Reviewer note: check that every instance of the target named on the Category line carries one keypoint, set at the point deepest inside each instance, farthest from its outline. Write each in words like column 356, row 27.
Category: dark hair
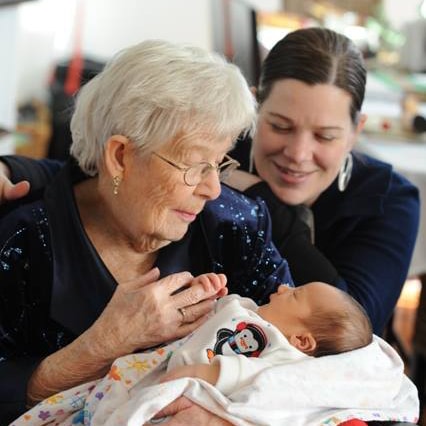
column 316, row 56
column 340, row 330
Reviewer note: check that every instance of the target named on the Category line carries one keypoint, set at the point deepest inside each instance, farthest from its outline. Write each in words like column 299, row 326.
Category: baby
column 315, row 319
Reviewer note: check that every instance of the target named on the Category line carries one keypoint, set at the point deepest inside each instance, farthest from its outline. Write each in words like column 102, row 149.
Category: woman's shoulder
column 233, row 205
column 373, row 175
column 374, row 187
column 23, row 211
column 371, row 179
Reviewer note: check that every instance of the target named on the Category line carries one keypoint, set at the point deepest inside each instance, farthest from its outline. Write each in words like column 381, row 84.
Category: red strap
column 227, row 31
column 75, row 69
column 353, row 422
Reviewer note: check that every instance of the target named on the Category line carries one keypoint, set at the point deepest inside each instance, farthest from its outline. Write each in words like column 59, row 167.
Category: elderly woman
column 97, row 266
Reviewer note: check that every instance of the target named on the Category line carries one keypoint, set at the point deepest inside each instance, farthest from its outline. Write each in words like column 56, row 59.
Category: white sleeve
column 237, row 371
column 232, row 299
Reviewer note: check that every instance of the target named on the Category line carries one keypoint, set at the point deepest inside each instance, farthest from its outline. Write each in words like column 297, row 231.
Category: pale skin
column 128, row 230
column 303, row 135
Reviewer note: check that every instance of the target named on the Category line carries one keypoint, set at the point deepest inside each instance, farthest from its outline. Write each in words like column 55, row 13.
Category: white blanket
column 367, row 383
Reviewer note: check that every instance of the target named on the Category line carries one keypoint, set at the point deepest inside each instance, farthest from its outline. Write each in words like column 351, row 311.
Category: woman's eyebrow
column 280, row 116
column 330, row 128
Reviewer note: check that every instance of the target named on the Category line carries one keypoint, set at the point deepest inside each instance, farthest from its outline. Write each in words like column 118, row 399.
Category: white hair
column 156, row 91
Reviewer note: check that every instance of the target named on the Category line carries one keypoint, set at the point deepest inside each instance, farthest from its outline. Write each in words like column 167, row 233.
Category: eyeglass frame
column 229, row 162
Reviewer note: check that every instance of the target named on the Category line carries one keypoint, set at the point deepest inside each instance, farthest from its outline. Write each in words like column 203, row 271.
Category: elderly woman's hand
column 141, row 313
column 183, row 412
column 147, row 312
column 8, row 190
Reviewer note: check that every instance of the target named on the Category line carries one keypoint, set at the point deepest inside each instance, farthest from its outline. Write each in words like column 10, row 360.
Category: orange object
column 353, row 422
column 75, row 69
column 386, row 125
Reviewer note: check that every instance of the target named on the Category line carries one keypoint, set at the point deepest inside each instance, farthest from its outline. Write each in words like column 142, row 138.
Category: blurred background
column 48, row 48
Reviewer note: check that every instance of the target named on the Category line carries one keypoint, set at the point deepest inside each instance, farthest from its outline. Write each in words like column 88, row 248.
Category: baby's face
column 289, row 306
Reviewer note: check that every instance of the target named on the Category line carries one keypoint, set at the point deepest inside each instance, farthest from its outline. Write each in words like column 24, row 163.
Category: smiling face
column 303, row 136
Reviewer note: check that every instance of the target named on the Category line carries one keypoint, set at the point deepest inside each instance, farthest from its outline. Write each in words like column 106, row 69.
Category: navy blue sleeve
column 14, row 375
column 238, row 231
column 37, row 172
column 266, row 269
column 374, row 257
column 22, row 288
column 292, row 236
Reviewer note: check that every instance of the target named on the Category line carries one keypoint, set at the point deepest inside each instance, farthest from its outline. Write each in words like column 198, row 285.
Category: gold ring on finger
column 183, row 313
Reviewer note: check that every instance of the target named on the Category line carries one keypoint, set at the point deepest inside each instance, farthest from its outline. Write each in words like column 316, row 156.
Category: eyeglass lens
column 196, row 173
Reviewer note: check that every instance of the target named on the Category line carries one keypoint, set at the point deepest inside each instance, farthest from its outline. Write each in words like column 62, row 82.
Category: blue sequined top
column 53, row 284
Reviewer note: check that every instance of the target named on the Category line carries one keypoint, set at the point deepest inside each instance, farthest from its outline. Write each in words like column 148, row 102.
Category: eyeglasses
column 193, row 175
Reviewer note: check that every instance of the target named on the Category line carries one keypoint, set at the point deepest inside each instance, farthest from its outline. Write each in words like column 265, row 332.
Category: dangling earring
column 116, row 180
column 251, row 161
column 345, row 173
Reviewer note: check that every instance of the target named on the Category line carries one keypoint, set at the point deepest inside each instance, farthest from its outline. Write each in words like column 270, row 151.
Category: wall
column 400, row 12
column 109, row 28
column 8, row 58
column 46, row 32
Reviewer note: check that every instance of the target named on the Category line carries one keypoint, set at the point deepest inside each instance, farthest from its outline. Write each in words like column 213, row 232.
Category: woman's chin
column 288, row 196
column 178, row 233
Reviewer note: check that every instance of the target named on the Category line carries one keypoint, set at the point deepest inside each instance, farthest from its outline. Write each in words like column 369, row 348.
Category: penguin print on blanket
column 247, row 339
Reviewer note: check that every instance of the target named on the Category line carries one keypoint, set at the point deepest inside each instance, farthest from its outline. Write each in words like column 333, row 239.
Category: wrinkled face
column 156, row 202
column 303, row 135
column 289, row 306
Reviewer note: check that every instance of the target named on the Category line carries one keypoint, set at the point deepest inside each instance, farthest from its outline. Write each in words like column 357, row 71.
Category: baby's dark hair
column 340, row 330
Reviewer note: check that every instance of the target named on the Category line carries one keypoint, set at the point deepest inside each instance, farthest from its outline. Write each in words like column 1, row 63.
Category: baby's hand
column 212, row 281
column 207, row 372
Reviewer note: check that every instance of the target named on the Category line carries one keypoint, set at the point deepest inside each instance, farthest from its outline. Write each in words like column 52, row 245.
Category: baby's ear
column 305, row 342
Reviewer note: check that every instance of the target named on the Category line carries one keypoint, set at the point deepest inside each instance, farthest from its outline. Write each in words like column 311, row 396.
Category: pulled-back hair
column 340, row 330
column 316, row 56
column 155, row 92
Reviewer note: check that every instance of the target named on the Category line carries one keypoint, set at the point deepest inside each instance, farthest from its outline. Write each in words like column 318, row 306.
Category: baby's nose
column 282, row 289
